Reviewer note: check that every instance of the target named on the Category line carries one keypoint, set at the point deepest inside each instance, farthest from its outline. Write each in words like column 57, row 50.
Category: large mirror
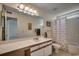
column 20, row 25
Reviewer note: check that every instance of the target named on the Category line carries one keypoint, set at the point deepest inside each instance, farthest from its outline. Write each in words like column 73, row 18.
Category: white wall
column 73, row 31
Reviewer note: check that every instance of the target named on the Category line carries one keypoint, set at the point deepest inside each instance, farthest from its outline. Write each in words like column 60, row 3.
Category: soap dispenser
column 45, row 34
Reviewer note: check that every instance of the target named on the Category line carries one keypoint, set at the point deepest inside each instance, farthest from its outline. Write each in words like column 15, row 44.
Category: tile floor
column 61, row 53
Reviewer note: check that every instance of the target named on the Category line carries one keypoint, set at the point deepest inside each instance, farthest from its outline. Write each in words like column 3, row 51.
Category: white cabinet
column 42, row 50
column 38, row 53
column 48, row 50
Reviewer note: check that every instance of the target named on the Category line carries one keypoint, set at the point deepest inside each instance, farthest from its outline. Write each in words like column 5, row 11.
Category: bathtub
column 73, row 49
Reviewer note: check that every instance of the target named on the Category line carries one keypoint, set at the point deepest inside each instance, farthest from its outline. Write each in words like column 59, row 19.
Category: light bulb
column 21, row 6
column 26, row 8
column 31, row 10
column 35, row 11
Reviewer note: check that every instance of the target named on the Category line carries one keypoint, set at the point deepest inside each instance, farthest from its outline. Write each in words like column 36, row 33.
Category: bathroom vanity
column 16, row 27
column 24, row 47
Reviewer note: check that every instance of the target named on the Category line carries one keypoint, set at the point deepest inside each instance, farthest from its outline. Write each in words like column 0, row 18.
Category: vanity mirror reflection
column 23, row 25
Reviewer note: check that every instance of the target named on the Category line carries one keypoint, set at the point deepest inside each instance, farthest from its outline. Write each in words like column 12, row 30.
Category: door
column 11, row 28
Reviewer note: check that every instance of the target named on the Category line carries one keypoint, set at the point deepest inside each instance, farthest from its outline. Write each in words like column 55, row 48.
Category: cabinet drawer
column 38, row 53
column 34, row 48
column 49, row 42
column 44, row 44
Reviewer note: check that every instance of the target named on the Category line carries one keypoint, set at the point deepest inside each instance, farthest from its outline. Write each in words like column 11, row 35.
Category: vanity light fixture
column 21, row 6
column 35, row 11
column 30, row 10
column 27, row 10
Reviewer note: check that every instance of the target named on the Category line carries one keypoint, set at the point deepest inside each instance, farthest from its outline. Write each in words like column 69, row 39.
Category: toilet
column 57, row 47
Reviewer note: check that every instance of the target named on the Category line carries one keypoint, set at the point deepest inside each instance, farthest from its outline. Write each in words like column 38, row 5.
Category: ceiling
column 56, row 8
column 52, row 9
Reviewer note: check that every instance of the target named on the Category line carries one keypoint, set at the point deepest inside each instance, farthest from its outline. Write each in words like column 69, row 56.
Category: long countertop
column 11, row 45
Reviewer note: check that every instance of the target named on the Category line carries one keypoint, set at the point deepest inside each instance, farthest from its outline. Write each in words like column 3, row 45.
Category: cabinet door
column 38, row 53
column 48, row 50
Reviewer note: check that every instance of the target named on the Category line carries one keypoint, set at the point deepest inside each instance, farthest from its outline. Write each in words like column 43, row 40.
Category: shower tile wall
column 66, row 31
column 59, row 32
column 73, row 31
